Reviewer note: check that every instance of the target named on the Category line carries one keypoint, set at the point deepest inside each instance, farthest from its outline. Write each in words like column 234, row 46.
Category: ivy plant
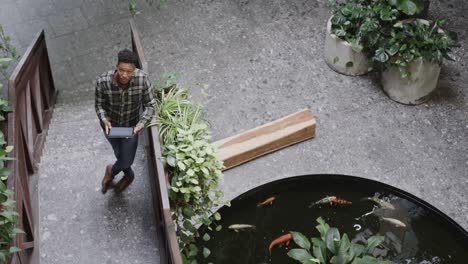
column 333, row 248
column 194, row 169
column 413, row 39
column 8, row 215
column 360, row 22
column 8, row 220
column 8, row 53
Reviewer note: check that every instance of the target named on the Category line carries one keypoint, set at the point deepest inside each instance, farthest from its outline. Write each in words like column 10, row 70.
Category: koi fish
column 284, row 239
column 382, row 203
column 241, row 227
column 366, row 214
column 325, row 200
column 394, row 221
column 267, row 201
column 330, row 200
column 340, row 201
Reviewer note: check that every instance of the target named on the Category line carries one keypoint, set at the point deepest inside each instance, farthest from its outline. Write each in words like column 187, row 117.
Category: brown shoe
column 124, row 183
column 107, row 179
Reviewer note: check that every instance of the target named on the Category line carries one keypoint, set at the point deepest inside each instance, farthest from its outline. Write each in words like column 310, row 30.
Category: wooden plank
column 169, row 249
column 15, row 259
column 46, row 83
column 267, row 138
column 171, row 239
column 27, row 59
column 137, row 46
column 27, row 245
column 50, row 91
column 36, row 101
column 30, row 85
column 31, row 130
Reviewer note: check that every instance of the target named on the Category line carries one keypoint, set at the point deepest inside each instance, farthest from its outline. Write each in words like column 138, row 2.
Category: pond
column 415, row 232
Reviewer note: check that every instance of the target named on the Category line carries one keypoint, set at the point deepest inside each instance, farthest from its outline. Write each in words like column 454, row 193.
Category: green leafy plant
column 360, row 22
column 7, row 223
column 8, row 214
column 175, row 109
column 333, row 248
column 133, row 8
column 413, row 39
column 194, row 169
column 8, row 53
column 167, row 82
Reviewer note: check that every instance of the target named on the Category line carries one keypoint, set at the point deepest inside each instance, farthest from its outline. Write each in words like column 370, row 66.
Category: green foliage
column 175, row 109
column 133, row 6
column 8, row 54
column 7, row 204
column 193, row 166
column 7, row 223
column 167, row 83
column 412, row 39
column 333, row 248
column 361, row 22
column 389, row 33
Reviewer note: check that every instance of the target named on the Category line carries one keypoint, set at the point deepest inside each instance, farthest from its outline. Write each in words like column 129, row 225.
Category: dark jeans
column 124, row 150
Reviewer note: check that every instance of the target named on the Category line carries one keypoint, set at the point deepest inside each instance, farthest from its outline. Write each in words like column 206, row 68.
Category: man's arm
column 148, row 104
column 98, row 101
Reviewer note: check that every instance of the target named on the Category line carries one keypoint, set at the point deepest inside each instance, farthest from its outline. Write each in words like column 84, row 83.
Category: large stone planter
column 413, row 90
column 341, row 57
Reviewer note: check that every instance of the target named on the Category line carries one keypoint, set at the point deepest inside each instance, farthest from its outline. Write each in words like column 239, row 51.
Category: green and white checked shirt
column 122, row 107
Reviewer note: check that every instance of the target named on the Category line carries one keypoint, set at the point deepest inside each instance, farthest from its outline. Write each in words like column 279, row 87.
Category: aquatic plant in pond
column 330, row 247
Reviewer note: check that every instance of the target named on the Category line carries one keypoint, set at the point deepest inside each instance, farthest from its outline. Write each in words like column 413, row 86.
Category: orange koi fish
column 339, row 201
column 267, row 201
column 284, row 239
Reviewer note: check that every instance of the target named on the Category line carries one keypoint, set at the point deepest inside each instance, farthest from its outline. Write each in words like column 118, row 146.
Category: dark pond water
column 430, row 237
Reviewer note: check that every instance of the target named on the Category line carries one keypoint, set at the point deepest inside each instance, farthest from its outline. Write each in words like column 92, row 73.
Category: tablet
column 120, row 132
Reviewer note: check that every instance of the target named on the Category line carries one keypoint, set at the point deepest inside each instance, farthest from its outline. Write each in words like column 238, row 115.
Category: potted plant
column 343, row 51
column 410, row 56
column 355, row 28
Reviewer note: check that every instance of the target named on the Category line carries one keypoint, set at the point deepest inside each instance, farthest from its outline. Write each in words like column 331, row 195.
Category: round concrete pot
column 341, row 57
column 413, row 90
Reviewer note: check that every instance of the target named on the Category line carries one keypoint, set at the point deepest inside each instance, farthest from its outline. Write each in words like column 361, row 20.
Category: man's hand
column 137, row 129
column 107, row 126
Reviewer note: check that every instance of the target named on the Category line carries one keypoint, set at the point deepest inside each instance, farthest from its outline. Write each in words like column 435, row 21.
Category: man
column 119, row 95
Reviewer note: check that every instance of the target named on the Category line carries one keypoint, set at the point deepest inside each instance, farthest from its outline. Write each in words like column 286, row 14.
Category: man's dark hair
column 127, row 56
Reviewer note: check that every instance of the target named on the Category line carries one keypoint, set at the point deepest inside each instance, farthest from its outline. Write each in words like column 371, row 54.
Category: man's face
column 125, row 72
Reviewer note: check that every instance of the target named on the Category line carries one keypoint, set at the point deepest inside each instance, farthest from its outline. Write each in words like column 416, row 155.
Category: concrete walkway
column 77, row 223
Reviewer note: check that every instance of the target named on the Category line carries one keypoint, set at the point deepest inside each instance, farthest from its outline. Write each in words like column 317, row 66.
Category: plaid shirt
column 122, row 107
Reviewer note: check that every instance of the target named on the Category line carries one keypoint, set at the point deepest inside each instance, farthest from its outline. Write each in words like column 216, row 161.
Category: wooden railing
column 169, row 247
column 32, row 94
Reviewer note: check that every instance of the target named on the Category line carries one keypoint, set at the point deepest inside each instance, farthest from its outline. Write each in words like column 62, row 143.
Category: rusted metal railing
column 32, row 95
column 169, row 247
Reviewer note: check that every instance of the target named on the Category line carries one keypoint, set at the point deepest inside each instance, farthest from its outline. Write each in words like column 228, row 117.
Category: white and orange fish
column 330, row 200
column 382, row 203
